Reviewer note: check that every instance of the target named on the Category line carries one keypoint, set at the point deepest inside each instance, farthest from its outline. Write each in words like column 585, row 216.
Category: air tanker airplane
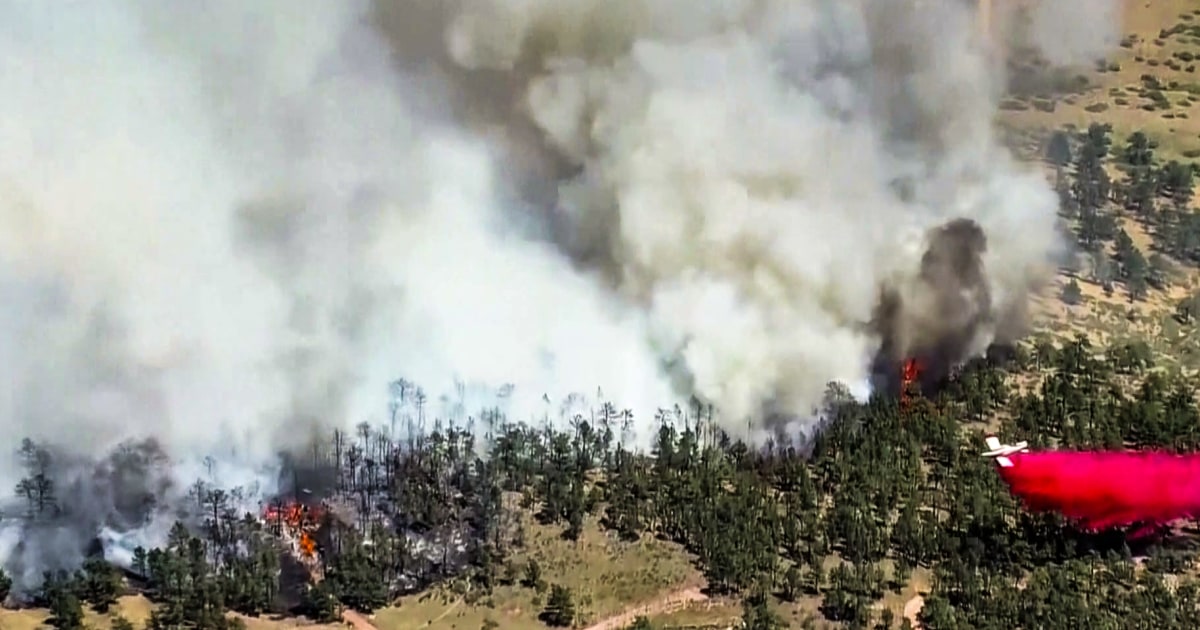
column 1141, row 491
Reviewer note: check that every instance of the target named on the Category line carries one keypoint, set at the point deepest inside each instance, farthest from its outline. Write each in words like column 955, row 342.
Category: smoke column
column 1100, row 490
column 1095, row 30
column 224, row 228
column 756, row 175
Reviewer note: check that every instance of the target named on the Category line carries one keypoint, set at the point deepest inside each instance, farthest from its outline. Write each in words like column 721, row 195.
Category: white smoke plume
column 1075, row 32
column 222, row 227
column 756, row 172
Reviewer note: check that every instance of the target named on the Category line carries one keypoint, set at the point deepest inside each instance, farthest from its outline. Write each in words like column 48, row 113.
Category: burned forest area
column 884, row 490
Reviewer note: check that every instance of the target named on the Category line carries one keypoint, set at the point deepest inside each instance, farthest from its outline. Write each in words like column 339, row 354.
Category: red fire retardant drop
column 1101, row 490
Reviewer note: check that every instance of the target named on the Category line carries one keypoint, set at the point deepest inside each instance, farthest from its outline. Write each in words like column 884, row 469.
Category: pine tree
column 1071, row 293
column 757, row 614
column 99, row 584
column 320, row 604
column 533, row 575
column 1058, row 149
column 6, row 584
column 560, row 607
column 59, row 594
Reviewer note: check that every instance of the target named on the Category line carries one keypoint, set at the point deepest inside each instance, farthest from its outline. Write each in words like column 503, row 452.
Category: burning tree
column 367, row 518
column 910, row 375
column 296, row 523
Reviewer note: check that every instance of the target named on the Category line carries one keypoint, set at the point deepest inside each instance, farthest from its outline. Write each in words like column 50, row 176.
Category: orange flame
column 308, row 546
column 912, row 370
column 909, row 376
column 298, row 520
column 293, row 514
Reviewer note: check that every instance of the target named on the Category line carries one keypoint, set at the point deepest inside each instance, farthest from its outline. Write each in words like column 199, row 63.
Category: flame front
column 308, row 546
column 912, row 371
column 909, row 376
column 297, row 522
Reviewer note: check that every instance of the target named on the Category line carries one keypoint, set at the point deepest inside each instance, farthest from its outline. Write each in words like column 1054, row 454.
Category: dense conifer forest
column 882, row 490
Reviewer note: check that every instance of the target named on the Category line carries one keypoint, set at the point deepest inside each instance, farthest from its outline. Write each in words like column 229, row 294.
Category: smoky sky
column 226, row 230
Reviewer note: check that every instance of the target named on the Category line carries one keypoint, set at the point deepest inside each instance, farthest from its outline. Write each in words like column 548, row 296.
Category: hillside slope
column 1150, row 85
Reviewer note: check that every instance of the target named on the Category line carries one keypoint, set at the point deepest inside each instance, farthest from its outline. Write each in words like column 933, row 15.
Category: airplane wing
column 1002, row 451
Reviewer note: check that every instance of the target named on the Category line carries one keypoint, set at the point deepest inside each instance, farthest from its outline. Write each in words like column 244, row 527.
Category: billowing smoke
column 1070, row 32
column 947, row 314
column 753, row 175
column 223, row 228
column 67, row 505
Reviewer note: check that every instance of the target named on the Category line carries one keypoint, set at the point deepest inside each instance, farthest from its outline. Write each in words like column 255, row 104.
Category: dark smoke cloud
column 74, row 507
column 958, row 318
column 947, row 315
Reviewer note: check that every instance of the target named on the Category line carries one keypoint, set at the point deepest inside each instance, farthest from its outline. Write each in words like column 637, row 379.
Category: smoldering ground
column 225, row 229
column 67, row 508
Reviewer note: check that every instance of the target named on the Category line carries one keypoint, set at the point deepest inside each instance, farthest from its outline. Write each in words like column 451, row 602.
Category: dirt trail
column 354, row 618
column 912, row 608
column 667, row 603
column 445, row 613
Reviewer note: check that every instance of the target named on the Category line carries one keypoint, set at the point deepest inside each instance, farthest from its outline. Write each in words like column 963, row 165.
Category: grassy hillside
column 1152, row 84
column 607, row 576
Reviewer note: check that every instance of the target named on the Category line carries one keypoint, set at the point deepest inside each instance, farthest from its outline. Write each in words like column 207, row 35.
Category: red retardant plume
column 1100, row 490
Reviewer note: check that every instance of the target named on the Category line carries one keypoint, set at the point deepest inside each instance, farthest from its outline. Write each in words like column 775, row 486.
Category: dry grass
column 919, row 584
column 720, row 614
column 725, row 613
column 22, row 619
column 607, row 576
column 136, row 609
column 1119, row 89
column 1107, row 319
column 133, row 607
column 1162, row 41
